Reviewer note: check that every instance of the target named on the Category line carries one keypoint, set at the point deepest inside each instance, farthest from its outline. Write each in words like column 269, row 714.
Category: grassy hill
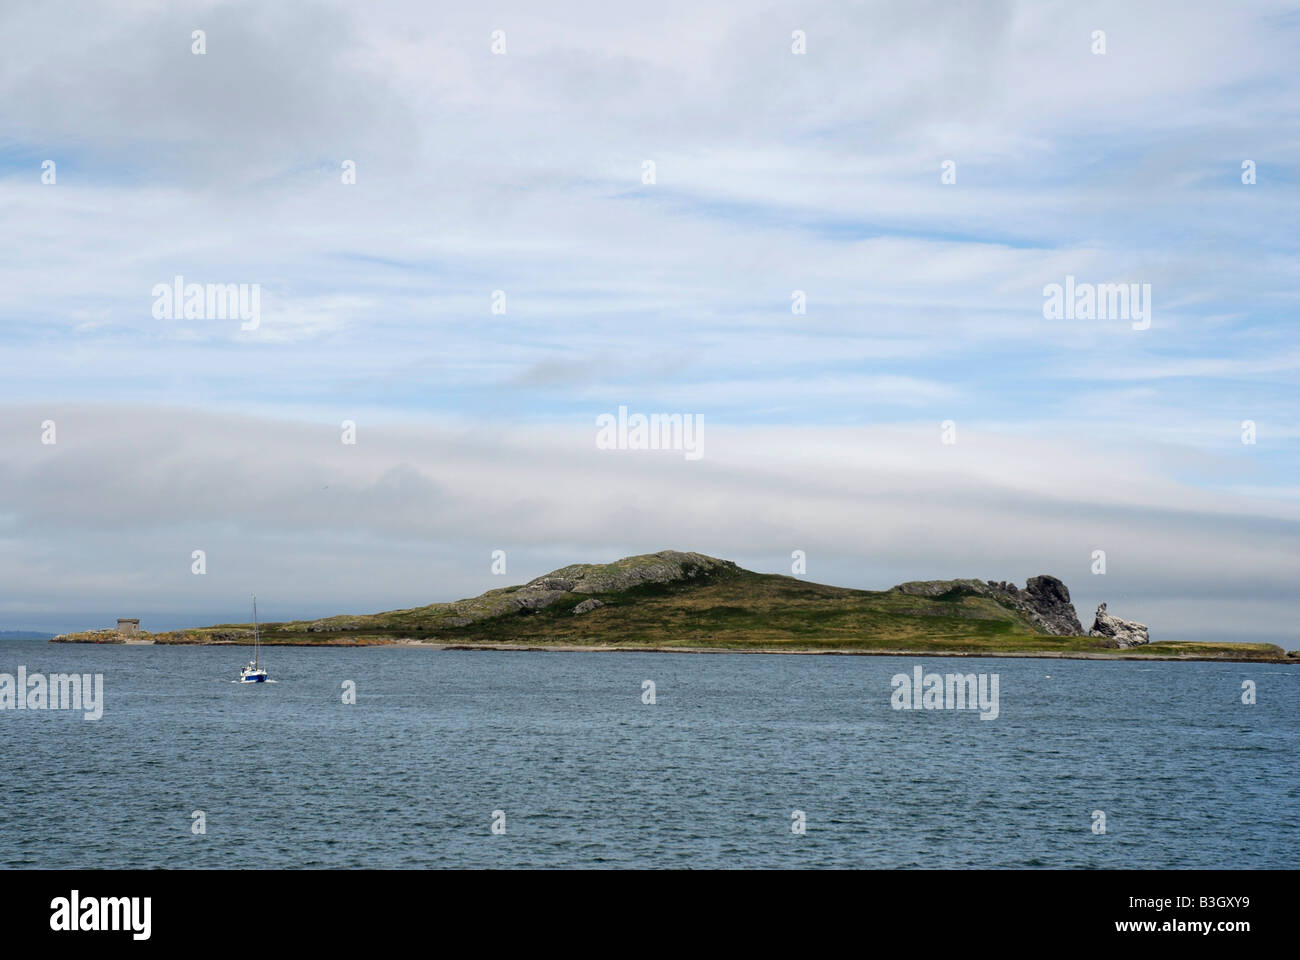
column 673, row 600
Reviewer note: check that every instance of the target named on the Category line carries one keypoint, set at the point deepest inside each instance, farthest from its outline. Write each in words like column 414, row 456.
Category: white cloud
column 108, row 517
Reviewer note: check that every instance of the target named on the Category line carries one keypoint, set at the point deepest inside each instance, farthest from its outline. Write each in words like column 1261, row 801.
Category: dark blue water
column 588, row 775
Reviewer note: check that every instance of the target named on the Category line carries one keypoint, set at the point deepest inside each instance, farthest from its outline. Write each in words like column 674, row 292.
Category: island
column 689, row 602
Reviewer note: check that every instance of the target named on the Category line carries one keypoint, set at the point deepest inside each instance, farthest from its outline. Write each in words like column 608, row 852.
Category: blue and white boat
column 253, row 673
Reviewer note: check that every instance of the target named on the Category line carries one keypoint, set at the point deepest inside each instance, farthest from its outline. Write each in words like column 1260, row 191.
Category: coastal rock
column 528, row 599
column 1124, row 633
column 1045, row 600
column 549, row 582
column 90, row 636
column 1049, row 603
column 591, row 603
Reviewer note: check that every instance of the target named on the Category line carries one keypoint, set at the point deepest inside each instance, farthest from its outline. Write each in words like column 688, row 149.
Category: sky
column 524, row 171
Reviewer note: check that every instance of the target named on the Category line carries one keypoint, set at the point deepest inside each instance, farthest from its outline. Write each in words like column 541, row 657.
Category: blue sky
column 774, row 172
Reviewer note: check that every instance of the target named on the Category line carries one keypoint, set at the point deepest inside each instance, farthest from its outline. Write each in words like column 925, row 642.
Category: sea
column 391, row 757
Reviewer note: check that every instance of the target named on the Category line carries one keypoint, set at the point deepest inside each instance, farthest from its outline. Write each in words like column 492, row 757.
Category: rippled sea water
column 589, row 776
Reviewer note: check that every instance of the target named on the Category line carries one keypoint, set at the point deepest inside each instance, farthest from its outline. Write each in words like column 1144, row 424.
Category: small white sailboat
column 253, row 673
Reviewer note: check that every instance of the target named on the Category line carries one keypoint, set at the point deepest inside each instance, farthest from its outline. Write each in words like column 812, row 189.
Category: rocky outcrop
column 1045, row 600
column 1123, row 633
column 90, row 636
column 1048, row 600
column 591, row 603
column 666, row 566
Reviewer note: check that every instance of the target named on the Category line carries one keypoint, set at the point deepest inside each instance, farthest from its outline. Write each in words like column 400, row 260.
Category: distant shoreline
column 686, row 602
column 812, row 651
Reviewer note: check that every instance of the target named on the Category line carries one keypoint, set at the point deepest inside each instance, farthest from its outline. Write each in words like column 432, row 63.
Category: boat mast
column 257, row 637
